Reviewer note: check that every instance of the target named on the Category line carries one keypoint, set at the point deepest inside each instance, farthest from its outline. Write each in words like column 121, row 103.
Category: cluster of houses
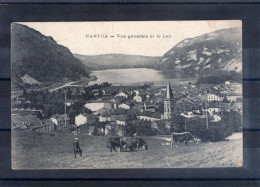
column 152, row 107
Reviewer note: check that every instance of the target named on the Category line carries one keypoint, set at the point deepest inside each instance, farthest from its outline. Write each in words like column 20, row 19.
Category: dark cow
column 132, row 143
column 142, row 143
column 182, row 137
column 113, row 142
column 76, row 148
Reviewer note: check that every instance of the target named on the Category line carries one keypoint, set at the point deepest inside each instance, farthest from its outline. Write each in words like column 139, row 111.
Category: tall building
column 168, row 102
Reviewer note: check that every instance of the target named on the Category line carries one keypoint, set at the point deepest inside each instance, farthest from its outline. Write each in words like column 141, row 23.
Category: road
column 65, row 85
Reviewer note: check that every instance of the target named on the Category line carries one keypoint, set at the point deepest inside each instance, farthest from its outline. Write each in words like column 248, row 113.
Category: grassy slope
column 34, row 151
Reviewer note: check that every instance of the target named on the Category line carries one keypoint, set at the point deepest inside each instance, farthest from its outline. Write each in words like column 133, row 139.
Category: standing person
column 76, row 147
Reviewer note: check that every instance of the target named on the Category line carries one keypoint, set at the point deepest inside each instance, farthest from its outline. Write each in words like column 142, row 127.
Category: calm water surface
column 136, row 76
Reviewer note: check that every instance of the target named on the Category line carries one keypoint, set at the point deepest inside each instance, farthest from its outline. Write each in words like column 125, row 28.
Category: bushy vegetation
column 213, row 133
column 220, row 79
column 217, row 131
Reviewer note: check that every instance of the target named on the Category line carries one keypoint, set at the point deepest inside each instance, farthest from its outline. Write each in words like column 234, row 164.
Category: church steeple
column 168, row 91
column 168, row 102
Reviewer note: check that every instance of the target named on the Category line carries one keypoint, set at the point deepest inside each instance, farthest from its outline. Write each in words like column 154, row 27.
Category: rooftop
column 60, row 116
column 156, row 115
column 117, row 111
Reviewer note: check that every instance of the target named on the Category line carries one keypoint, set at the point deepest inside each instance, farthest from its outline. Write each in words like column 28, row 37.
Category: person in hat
column 76, row 147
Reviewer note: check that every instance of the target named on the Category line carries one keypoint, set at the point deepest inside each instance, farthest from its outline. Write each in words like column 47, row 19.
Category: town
column 129, row 110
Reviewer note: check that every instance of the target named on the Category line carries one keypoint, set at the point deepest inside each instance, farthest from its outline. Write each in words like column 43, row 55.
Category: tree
column 47, row 111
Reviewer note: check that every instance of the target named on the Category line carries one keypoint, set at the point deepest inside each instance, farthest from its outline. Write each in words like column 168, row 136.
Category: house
column 119, row 99
column 61, row 121
column 188, row 114
column 95, row 92
column 197, row 112
column 138, row 99
column 137, row 92
column 69, row 102
column 121, row 122
column 149, row 106
column 45, row 126
column 122, row 94
column 215, row 118
column 227, row 82
column 147, row 96
column 24, row 121
column 105, row 117
column 106, row 93
column 99, row 112
column 82, row 119
column 124, row 105
column 114, row 104
column 158, row 99
column 138, row 107
column 233, row 97
column 118, row 114
column 213, row 108
column 149, row 116
column 98, row 105
column 214, row 97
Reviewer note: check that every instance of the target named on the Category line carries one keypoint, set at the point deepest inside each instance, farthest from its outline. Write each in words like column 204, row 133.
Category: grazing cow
column 76, row 148
column 142, row 143
column 113, row 142
column 182, row 137
column 132, row 143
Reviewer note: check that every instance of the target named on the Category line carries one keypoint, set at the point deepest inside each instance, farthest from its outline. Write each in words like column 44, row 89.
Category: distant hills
column 116, row 61
column 38, row 58
column 214, row 53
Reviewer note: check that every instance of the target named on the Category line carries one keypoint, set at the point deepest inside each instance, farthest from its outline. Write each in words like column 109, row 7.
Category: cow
column 182, row 137
column 142, row 143
column 132, row 143
column 114, row 142
column 76, row 148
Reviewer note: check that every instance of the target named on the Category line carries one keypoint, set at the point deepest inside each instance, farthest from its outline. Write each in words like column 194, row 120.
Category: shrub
column 214, row 133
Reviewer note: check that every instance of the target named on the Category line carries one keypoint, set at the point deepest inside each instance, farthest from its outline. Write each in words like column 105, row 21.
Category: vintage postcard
column 141, row 94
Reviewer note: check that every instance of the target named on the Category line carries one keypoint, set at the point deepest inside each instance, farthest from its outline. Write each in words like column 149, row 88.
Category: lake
column 136, row 76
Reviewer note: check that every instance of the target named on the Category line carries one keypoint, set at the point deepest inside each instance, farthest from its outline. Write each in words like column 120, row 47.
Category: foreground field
column 31, row 150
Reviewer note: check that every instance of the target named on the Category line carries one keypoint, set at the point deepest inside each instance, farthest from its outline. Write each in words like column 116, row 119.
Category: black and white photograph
column 126, row 94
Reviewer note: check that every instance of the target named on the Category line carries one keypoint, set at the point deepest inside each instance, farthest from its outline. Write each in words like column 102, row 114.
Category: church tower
column 168, row 102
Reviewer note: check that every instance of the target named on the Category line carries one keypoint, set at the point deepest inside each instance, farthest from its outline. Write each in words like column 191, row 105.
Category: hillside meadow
column 32, row 150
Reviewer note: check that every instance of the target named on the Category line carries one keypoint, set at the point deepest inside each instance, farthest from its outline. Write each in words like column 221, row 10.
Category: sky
column 77, row 35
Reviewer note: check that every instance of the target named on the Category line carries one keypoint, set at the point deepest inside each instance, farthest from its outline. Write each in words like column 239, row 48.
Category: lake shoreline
column 137, row 77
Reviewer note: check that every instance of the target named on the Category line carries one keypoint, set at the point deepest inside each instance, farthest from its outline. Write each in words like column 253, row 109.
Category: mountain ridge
column 41, row 58
column 207, row 54
column 116, row 61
